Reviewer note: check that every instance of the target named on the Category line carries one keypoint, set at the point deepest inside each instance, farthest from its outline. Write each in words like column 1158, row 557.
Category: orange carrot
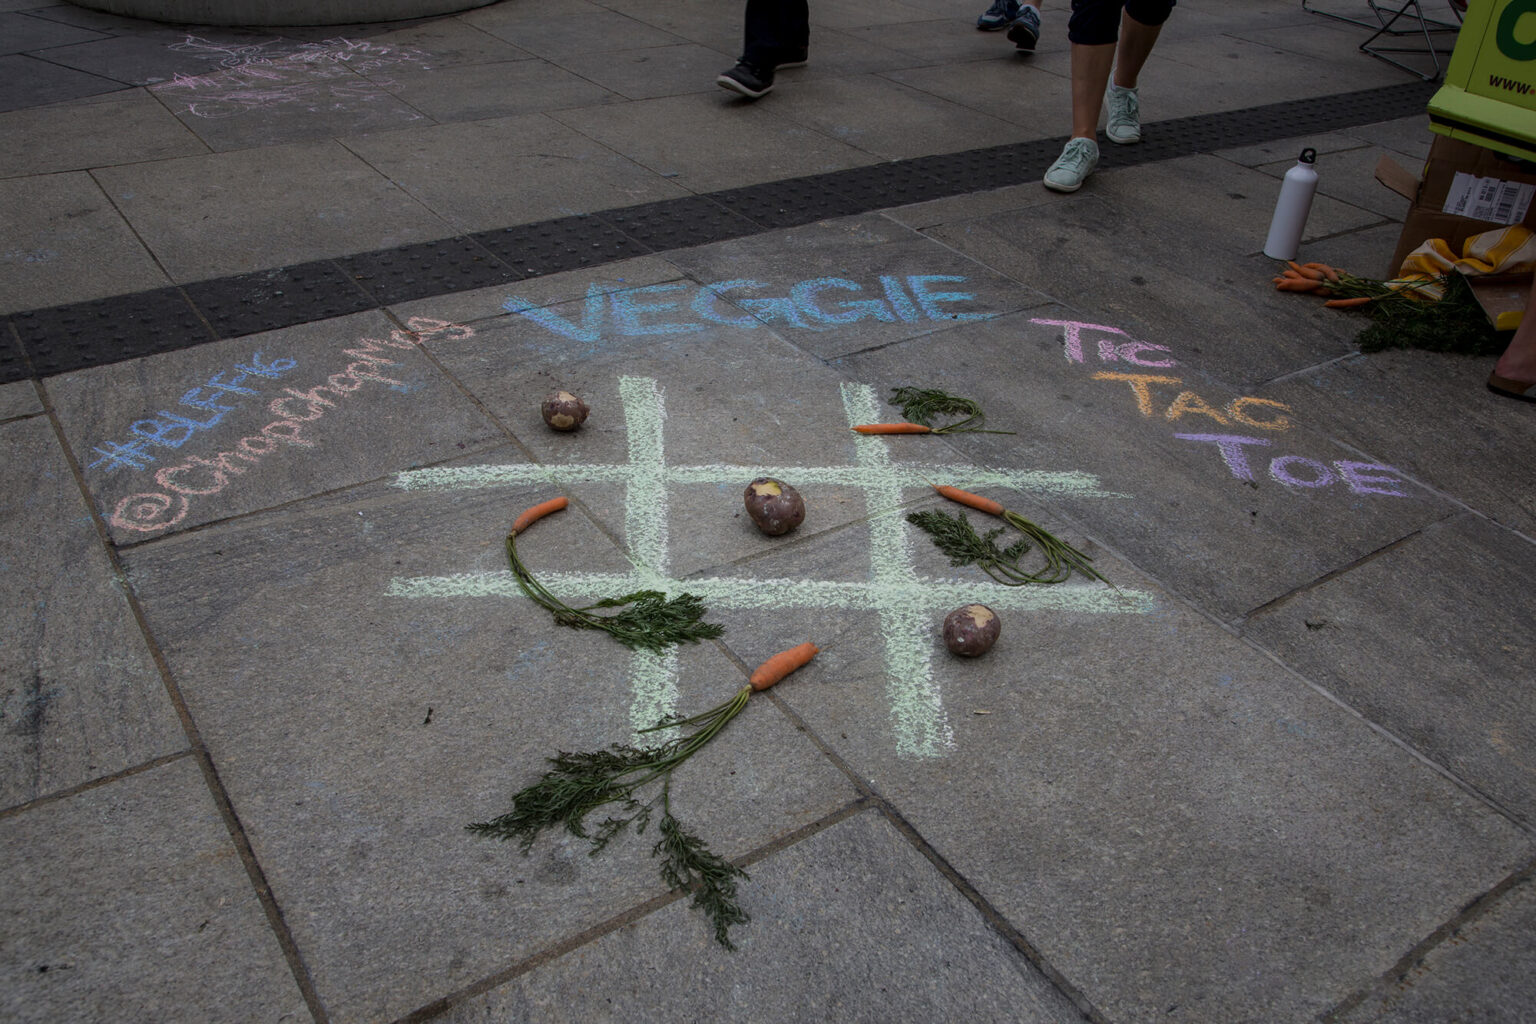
column 781, row 665
column 536, row 513
column 1292, row 284
column 892, row 428
column 975, row 501
column 1349, row 303
column 1323, row 268
column 1310, row 272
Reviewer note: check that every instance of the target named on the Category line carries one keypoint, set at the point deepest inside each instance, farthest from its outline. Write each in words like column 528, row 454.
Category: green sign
column 1489, row 96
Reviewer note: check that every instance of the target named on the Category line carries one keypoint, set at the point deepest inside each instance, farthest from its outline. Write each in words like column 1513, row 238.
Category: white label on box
column 1490, row 199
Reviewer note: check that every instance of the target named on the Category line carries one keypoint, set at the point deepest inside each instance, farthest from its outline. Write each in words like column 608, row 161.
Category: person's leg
column 1514, row 375
column 777, row 33
column 776, row 30
column 1090, row 75
column 1137, row 37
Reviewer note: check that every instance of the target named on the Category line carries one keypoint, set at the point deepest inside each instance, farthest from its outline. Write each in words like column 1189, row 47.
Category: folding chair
column 1387, row 14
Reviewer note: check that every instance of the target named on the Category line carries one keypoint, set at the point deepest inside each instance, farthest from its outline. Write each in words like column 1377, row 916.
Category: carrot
column 1309, row 272
column 975, row 501
column 536, row 513
column 1349, row 303
column 1292, row 284
column 1327, row 271
column 781, row 665
column 892, row 428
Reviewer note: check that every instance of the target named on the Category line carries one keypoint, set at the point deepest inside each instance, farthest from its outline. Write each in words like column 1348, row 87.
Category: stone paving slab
column 123, row 127
column 129, row 899
column 473, row 92
column 18, row 399
column 511, row 170
column 662, row 134
column 1349, row 176
column 65, row 243
column 20, row 32
column 1378, row 402
column 81, row 696
column 1179, row 825
column 176, row 441
column 314, row 199
column 882, row 261
column 891, row 121
column 889, row 941
column 1166, row 459
column 1479, row 974
column 481, row 304
column 654, row 71
column 26, row 81
column 1460, row 696
column 359, row 728
column 1105, row 251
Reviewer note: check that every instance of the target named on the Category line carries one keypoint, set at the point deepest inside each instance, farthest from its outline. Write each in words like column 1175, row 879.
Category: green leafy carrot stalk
column 580, row 783
column 955, row 536
column 650, row 622
column 924, row 405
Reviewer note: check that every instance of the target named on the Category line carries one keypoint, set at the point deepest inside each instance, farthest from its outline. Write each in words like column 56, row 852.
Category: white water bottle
column 1291, row 208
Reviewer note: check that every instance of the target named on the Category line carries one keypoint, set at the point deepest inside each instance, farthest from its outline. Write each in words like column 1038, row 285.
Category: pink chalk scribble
column 260, row 76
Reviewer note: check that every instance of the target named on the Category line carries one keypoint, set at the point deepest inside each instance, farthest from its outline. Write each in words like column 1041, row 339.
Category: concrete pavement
column 279, row 310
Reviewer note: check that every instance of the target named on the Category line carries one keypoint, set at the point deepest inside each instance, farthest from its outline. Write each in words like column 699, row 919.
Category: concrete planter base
column 279, row 12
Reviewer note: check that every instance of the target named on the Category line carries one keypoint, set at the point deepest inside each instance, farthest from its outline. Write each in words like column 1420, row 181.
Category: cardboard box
column 1508, row 187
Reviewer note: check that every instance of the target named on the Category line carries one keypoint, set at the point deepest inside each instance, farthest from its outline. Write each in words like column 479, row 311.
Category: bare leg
column 1090, row 76
column 1517, row 366
column 1136, row 42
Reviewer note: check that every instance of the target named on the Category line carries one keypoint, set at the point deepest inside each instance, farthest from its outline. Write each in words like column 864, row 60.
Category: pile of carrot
column 1319, row 279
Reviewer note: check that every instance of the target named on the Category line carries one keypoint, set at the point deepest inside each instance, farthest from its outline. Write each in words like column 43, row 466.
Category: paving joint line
column 217, row 792
column 1475, row 909
column 638, row 912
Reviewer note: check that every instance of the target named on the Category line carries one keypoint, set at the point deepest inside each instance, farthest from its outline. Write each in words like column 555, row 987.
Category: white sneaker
column 1123, row 122
column 1076, row 162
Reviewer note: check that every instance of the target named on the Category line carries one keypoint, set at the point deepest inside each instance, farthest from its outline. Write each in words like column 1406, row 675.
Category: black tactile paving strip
column 269, row 299
column 109, row 330
column 676, row 223
column 86, row 334
column 551, row 246
column 426, row 269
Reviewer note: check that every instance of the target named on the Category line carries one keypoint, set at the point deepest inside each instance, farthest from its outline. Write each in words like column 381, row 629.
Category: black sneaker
column 751, row 81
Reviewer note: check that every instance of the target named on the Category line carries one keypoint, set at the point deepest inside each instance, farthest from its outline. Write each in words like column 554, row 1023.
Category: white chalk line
column 907, row 475
column 917, row 595
column 917, row 707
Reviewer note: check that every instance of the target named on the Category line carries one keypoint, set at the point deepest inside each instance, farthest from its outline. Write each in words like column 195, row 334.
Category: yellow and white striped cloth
column 1510, row 250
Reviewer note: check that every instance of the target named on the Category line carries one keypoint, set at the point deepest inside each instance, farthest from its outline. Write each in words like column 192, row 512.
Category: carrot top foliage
column 923, row 405
column 649, row 620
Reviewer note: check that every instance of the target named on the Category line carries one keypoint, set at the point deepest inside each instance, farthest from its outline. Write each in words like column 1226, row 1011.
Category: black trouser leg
column 775, row 29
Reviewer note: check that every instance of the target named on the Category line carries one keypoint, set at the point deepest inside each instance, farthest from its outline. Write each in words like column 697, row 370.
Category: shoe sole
column 1506, row 388
column 731, row 85
column 1054, row 187
column 1123, row 142
column 991, row 28
column 1021, row 37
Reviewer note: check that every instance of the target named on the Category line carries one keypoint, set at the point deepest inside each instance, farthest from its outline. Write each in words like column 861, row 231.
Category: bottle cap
column 1309, row 155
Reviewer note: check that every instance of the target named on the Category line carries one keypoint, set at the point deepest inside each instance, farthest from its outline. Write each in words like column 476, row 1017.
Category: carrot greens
column 923, row 405
column 579, row 784
column 650, row 621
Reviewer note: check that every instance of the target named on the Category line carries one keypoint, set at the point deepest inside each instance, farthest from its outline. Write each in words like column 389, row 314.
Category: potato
column 564, row 411
column 972, row 630
column 775, row 506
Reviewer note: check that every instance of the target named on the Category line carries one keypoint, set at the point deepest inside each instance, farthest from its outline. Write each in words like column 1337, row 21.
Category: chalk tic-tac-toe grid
column 906, row 604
